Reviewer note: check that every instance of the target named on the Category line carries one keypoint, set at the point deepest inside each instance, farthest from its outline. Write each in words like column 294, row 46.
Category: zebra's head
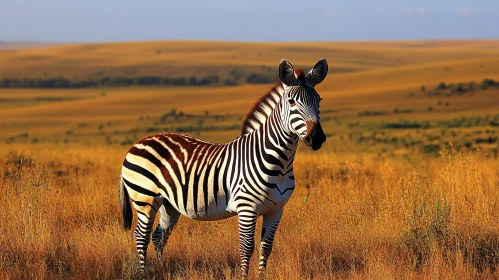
column 300, row 102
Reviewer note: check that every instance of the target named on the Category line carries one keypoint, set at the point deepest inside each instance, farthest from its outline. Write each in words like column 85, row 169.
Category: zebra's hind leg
column 168, row 219
column 146, row 213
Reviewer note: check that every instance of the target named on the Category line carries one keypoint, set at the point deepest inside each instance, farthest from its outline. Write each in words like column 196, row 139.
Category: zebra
column 250, row 176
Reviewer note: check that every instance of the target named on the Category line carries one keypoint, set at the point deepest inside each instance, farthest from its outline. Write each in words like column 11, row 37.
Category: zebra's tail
column 126, row 208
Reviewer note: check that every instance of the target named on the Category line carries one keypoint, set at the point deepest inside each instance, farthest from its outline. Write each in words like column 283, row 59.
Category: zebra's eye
column 291, row 101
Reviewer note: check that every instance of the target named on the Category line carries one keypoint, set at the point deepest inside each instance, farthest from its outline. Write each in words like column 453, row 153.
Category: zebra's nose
column 315, row 136
column 310, row 133
column 310, row 129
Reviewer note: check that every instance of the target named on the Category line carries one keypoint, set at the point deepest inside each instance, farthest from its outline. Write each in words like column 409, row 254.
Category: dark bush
column 209, row 80
column 489, row 140
column 442, row 86
column 62, row 82
column 486, row 83
column 431, row 148
column 372, row 113
column 5, row 83
column 460, row 89
column 489, row 82
column 179, row 81
column 257, row 78
column 402, row 125
column 191, row 80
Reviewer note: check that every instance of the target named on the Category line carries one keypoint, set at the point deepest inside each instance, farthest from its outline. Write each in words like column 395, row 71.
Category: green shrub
column 427, row 223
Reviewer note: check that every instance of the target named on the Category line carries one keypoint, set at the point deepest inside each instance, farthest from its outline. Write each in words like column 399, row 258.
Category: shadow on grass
column 184, row 267
column 482, row 250
column 319, row 260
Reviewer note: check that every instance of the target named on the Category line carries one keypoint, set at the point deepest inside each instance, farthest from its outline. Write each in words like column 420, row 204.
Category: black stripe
column 206, row 176
column 272, row 160
column 245, row 205
column 144, row 172
column 194, row 189
column 147, row 155
column 140, row 189
column 231, row 165
column 288, row 189
column 142, row 213
column 240, row 197
column 256, row 176
column 300, row 126
column 275, row 137
column 256, row 171
column 142, row 203
column 252, row 192
column 195, row 181
column 157, row 145
column 216, row 174
column 205, row 188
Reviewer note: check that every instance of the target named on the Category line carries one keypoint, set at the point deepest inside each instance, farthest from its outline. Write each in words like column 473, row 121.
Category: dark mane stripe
column 263, row 107
column 257, row 115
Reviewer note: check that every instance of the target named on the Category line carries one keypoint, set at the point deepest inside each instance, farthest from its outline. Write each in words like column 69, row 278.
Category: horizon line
column 250, row 41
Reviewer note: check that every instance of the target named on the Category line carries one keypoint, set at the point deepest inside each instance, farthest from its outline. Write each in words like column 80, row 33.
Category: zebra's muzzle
column 316, row 137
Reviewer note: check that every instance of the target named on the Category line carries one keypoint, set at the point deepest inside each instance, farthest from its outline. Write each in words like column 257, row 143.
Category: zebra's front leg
column 247, row 224
column 269, row 227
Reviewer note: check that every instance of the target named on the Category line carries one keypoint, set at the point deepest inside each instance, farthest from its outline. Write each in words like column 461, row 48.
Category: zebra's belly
column 220, row 216
column 213, row 216
column 211, row 211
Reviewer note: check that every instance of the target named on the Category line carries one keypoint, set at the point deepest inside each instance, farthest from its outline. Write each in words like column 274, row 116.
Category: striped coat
column 251, row 176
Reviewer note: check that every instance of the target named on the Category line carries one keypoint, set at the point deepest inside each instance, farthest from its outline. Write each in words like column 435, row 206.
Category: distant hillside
column 186, row 63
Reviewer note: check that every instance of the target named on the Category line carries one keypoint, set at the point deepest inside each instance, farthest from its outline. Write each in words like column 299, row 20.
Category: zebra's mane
column 262, row 109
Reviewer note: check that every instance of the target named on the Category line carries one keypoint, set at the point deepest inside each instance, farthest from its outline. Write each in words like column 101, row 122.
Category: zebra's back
column 191, row 174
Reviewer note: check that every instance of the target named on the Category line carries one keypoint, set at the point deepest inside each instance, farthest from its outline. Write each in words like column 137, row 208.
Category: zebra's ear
column 287, row 73
column 318, row 73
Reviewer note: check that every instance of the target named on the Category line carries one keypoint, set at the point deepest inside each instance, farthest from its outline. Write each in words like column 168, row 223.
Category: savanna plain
column 405, row 187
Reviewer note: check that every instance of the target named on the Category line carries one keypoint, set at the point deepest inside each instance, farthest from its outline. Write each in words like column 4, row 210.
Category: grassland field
column 406, row 186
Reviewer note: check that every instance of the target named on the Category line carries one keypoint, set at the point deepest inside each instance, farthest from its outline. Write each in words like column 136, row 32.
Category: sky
column 254, row 20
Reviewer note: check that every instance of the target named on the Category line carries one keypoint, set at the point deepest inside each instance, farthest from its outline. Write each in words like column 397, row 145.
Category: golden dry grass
column 351, row 217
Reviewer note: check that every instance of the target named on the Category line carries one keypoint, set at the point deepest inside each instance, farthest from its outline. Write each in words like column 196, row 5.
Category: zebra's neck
column 274, row 143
